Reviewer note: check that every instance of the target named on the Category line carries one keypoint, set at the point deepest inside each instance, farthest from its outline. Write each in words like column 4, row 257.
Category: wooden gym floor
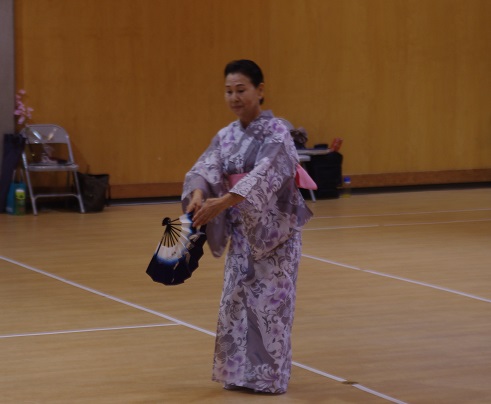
column 394, row 305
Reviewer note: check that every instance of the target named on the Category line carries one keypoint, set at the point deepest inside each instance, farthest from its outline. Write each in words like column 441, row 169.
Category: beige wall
column 139, row 86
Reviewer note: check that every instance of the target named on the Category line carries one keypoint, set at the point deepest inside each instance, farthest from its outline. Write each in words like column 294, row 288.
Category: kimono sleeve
column 268, row 211
column 207, row 175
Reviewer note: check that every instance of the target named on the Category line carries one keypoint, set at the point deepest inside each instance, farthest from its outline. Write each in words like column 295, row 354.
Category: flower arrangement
column 23, row 112
column 25, row 115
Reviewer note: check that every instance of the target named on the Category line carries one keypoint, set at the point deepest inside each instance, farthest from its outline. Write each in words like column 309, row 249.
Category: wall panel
column 139, row 84
column 396, row 79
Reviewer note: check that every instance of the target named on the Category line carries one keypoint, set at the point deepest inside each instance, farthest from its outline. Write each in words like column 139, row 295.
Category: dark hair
column 249, row 69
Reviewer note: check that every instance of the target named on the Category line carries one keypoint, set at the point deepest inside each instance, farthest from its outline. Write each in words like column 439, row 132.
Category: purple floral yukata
column 253, row 346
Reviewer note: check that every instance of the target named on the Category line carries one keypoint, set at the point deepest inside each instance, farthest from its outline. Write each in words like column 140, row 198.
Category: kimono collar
column 264, row 115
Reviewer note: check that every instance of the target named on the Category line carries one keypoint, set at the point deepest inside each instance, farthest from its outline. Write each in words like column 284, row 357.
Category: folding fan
column 178, row 252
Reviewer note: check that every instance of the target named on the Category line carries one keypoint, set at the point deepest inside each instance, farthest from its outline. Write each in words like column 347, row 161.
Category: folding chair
column 305, row 159
column 42, row 142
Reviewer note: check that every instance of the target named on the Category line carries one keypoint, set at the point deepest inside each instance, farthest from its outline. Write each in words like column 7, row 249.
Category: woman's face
column 242, row 97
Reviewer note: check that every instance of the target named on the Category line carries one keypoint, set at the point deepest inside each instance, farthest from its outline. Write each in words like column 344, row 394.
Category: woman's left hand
column 212, row 207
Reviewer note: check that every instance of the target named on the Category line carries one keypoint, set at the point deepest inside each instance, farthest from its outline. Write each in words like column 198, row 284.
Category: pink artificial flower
column 24, row 113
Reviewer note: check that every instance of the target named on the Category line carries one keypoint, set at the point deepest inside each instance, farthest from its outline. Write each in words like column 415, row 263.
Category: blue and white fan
column 178, row 252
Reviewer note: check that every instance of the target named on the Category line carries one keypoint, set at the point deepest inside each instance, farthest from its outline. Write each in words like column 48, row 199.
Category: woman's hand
column 212, row 207
column 196, row 202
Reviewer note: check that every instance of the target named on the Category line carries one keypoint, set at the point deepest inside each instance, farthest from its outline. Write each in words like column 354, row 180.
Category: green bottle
column 20, row 201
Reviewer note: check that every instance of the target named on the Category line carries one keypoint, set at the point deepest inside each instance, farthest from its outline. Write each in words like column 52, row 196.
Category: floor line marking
column 116, row 299
column 320, row 372
column 179, row 322
column 367, row 390
column 344, row 381
column 406, row 213
column 435, row 223
column 83, row 330
column 365, row 226
column 399, row 278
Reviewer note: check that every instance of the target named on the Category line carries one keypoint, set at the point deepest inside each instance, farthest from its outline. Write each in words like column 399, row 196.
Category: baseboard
column 154, row 190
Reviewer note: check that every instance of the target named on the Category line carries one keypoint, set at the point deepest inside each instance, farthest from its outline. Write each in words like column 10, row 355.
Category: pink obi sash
column 302, row 179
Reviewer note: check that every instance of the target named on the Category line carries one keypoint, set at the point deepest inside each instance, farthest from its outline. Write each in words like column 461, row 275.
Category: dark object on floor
column 13, row 146
column 95, row 191
column 326, row 171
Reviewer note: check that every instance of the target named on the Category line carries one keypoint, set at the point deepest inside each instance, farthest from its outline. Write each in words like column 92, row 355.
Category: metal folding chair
column 305, row 159
column 43, row 142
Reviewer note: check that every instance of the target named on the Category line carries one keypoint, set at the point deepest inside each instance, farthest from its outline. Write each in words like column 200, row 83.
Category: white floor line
column 96, row 292
column 405, row 213
column 342, row 227
column 320, row 372
column 353, row 384
column 364, row 226
column 178, row 322
column 399, row 278
column 130, row 327
column 434, row 223
column 360, row 387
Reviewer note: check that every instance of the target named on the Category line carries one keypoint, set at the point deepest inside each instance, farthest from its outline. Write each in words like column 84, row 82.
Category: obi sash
column 302, row 179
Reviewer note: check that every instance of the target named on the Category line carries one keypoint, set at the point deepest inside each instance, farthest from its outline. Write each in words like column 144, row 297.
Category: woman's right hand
column 196, row 202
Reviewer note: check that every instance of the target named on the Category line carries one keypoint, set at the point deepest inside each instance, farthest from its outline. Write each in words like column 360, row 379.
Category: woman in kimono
column 243, row 187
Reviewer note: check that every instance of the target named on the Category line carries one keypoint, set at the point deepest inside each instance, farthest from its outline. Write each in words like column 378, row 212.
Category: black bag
column 95, row 191
column 326, row 171
column 13, row 145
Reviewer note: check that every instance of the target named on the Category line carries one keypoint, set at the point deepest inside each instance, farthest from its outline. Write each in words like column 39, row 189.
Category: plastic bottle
column 346, row 187
column 20, row 201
